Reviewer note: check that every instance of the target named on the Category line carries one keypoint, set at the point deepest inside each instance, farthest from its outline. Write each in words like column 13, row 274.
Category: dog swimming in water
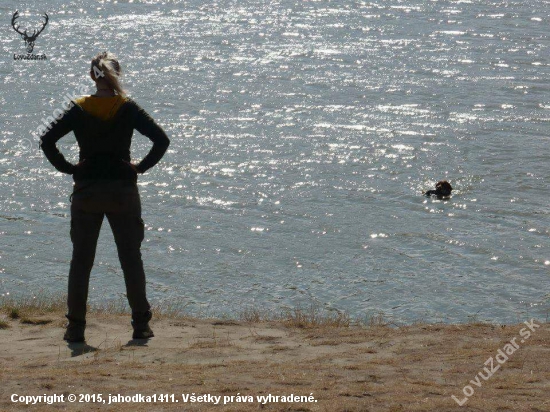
column 442, row 189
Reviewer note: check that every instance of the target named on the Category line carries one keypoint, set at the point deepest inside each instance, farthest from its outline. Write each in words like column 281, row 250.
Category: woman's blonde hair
column 106, row 66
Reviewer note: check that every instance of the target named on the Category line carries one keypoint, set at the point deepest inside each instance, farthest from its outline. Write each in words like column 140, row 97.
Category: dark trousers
column 118, row 200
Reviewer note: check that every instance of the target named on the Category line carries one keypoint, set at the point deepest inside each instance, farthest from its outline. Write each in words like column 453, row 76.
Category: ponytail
column 106, row 66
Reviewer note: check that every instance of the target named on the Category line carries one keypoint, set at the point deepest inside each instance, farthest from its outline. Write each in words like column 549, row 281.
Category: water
column 303, row 134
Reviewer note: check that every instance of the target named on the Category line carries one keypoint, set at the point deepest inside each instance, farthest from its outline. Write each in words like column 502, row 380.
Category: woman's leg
column 128, row 230
column 85, row 227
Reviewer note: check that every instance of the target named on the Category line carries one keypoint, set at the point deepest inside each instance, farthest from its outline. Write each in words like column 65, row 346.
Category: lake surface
column 303, row 134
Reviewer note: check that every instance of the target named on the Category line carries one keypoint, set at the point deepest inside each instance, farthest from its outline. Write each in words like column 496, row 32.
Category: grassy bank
column 300, row 317
column 344, row 365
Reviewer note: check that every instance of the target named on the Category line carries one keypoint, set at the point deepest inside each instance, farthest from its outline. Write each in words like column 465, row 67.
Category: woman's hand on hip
column 133, row 166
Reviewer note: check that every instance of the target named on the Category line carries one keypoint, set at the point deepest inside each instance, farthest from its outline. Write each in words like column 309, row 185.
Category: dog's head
column 444, row 187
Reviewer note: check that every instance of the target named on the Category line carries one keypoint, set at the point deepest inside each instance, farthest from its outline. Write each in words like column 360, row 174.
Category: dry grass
column 348, row 365
column 304, row 318
column 13, row 313
column 16, row 307
column 314, row 316
column 31, row 321
column 265, row 338
column 215, row 340
column 26, row 308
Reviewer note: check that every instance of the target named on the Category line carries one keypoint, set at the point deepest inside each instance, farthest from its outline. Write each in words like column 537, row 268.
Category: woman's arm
column 148, row 127
column 56, row 131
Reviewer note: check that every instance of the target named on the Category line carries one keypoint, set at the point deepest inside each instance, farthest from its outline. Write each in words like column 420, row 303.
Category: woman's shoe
column 144, row 332
column 74, row 333
column 140, row 323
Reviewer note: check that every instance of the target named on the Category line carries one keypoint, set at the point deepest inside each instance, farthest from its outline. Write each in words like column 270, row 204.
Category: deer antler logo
column 29, row 40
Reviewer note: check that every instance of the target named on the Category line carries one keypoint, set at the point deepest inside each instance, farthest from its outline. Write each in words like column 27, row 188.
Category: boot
column 140, row 323
column 74, row 332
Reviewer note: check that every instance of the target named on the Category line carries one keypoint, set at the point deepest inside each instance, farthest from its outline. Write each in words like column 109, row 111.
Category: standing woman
column 105, row 184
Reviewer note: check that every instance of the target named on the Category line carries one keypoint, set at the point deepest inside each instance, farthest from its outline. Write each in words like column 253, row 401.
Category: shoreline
column 343, row 366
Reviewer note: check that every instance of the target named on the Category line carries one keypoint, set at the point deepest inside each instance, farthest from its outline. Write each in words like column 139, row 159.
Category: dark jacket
column 104, row 144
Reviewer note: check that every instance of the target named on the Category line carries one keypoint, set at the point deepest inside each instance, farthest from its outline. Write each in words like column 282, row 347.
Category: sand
column 356, row 368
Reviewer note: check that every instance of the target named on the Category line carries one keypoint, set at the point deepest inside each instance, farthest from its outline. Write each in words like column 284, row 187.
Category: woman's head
column 105, row 69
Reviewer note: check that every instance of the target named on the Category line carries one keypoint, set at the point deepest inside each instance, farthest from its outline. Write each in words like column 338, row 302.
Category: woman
column 105, row 183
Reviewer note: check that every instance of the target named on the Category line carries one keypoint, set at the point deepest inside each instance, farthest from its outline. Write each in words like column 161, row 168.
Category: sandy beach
column 200, row 364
